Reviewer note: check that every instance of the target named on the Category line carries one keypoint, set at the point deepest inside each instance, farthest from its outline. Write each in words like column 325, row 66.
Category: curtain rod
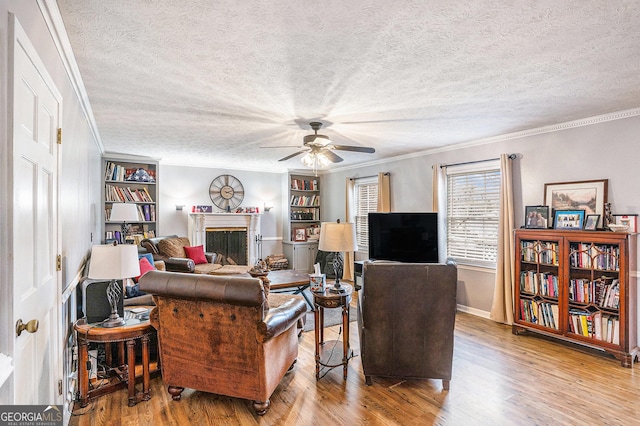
column 511, row 157
column 366, row 177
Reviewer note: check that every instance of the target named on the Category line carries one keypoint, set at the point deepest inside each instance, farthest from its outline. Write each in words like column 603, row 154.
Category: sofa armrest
column 280, row 318
column 179, row 264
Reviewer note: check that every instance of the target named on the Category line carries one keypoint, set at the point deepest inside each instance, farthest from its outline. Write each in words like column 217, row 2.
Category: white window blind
column 473, row 204
column 366, row 197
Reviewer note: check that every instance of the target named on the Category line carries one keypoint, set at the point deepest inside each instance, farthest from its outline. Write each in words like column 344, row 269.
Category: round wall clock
column 226, row 192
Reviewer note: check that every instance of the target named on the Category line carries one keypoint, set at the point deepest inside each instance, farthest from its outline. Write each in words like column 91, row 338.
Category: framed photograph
column 591, row 222
column 204, row 209
column 300, row 234
column 588, row 195
column 630, row 220
column 568, row 219
column 536, row 217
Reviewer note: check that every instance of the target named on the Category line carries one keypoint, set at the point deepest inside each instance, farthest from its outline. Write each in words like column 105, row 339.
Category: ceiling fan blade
column 292, row 155
column 332, row 156
column 366, row 149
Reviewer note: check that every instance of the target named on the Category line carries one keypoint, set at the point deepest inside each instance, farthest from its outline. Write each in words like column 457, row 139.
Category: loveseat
column 406, row 319
column 222, row 334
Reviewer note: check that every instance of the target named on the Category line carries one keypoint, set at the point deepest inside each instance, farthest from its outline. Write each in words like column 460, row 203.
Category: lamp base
column 113, row 321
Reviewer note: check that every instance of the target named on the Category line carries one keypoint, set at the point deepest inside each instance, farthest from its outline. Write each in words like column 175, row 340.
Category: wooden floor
column 498, row 379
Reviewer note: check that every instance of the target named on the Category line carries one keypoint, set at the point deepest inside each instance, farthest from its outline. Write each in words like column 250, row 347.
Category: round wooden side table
column 328, row 300
column 133, row 330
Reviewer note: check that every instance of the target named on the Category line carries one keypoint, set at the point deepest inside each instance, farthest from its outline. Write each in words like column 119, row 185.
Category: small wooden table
column 285, row 280
column 133, row 330
column 329, row 299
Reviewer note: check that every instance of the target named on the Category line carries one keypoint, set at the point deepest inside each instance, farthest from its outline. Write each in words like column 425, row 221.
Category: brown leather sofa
column 406, row 319
column 221, row 334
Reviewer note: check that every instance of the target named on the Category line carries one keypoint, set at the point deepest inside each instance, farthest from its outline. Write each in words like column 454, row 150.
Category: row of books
column 118, row 236
column 594, row 256
column 539, row 252
column 543, row 283
column 595, row 325
column 305, row 185
column 537, row 312
column 603, row 292
column 305, row 214
column 305, row 200
column 146, row 213
column 114, row 193
column 117, row 172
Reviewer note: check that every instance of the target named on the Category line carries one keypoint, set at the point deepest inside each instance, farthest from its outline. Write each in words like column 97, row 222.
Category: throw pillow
column 145, row 267
column 173, row 247
column 196, row 254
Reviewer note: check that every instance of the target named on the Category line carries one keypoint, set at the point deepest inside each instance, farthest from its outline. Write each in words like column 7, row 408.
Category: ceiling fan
column 319, row 149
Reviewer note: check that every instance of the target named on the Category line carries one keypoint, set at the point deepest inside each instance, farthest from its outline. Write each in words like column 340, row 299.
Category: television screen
column 404, row 237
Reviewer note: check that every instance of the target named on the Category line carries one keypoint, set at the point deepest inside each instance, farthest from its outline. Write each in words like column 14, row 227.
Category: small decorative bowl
column 618, row 228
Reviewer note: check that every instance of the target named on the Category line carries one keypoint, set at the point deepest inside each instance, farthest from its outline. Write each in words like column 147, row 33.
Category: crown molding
column 582, row 122
column 55, row 25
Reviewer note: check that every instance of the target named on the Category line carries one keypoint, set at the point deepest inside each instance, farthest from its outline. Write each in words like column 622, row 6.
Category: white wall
column 189, row 186
column 79, row 196
column 604, row 150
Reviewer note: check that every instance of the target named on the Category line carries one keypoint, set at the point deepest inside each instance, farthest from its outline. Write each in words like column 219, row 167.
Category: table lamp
column 114, row 262
column 125, row 213
column 337, row 237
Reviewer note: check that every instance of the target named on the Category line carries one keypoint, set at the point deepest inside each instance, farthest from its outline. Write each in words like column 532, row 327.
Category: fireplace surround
column 199, row 223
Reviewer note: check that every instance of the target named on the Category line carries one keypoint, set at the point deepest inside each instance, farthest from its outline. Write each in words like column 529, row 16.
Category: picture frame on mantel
column 587, row 195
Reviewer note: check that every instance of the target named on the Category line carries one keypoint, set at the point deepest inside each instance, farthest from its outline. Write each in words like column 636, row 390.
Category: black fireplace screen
column 229, row 242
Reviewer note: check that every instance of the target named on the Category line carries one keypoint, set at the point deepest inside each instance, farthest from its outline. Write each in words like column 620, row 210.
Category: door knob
column 31, row 326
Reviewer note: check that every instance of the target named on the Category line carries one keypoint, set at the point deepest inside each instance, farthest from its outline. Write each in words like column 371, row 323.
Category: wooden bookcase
column 120, row 186
column 302, row 216
column 578, row 287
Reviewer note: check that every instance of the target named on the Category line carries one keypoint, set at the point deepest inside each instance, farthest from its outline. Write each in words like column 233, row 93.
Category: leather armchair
column 220, row 334
column 406, row 319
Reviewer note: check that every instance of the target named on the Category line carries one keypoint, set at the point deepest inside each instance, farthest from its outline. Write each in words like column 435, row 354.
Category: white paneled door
column 36, row 119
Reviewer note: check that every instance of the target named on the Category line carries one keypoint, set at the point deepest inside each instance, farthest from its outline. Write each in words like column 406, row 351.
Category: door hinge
column 59, row 387
column 59, row 135
column 58, row 263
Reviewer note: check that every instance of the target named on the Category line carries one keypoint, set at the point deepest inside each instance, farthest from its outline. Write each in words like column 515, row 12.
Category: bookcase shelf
column 302, row 215
column 124, row 180
column 579, row 287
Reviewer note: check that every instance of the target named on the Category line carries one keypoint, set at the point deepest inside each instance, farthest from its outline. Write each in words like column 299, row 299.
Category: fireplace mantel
column 199, row 222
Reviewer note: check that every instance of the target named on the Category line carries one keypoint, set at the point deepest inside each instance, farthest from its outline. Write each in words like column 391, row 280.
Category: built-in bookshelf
column 579, row 287
column 130, row 180
column 302, row 222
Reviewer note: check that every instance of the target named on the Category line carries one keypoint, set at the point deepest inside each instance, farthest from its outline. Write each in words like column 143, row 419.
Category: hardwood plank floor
column 498, row 379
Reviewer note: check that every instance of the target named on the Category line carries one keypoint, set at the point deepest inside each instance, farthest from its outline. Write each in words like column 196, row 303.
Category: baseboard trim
column 474, row 311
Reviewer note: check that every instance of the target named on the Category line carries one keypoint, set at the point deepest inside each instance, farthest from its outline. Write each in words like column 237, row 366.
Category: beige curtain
column 384, row 192
column 439, row 205
column 502, row 307
column 350, row 212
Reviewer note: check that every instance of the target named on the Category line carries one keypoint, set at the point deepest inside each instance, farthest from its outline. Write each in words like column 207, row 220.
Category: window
column 366, row 200
column 473, row 206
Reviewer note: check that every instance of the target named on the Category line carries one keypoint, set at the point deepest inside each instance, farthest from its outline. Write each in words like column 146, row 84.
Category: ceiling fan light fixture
column 315, row 160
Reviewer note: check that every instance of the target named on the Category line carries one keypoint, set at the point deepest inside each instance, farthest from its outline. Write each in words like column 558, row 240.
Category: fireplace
column 201, row 224
column 229, row 242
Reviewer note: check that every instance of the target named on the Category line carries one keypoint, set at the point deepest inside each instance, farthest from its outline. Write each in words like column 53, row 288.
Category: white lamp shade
column 337, row 237
column 123, row 212
column 114, row 262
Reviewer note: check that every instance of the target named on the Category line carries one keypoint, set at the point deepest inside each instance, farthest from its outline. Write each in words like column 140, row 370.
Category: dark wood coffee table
column 286, row 280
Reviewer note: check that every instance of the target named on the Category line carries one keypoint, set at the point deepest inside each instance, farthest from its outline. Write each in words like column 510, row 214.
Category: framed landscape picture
column 589, row 196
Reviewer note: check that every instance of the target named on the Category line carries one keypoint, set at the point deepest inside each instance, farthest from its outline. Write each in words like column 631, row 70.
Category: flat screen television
column 404, row 237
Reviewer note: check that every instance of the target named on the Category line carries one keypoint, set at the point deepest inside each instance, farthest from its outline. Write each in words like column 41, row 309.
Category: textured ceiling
column 213, row 82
